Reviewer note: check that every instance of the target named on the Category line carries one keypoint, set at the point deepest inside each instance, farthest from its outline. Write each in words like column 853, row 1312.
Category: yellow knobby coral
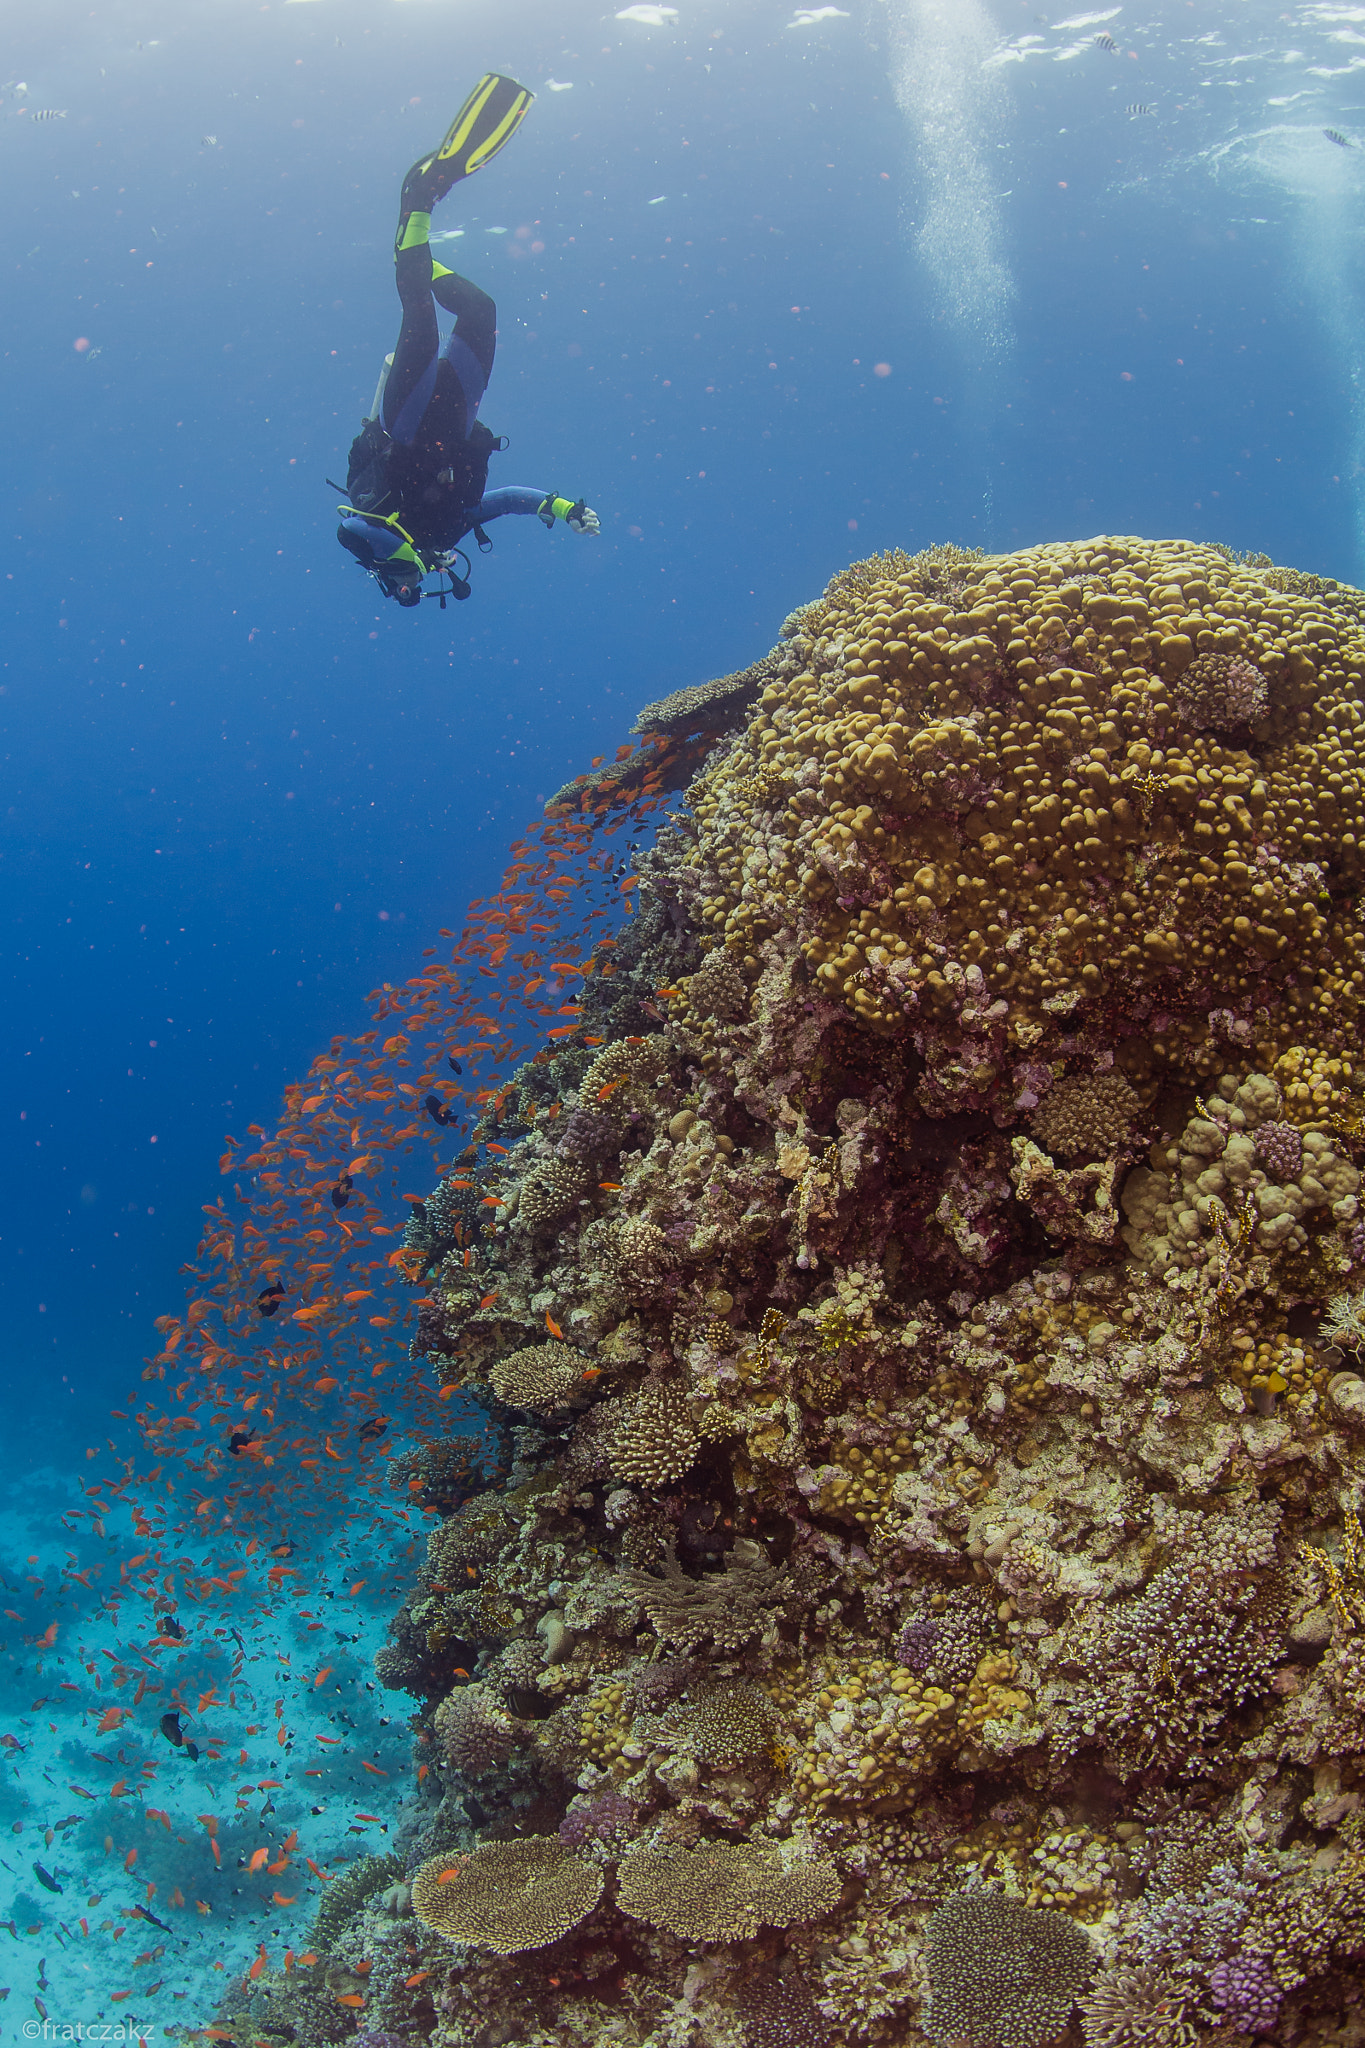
column 1006, row 799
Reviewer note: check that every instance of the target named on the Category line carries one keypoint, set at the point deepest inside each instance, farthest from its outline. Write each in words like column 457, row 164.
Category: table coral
column 722, row 1891
column 506, row 1896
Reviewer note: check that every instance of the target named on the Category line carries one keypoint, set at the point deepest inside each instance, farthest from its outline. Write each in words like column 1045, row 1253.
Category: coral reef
column 920, row 1596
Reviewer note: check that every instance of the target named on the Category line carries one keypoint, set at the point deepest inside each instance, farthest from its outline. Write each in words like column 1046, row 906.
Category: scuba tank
column 373, row 413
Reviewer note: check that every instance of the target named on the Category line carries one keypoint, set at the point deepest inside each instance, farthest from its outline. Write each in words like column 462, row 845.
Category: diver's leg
column 413, row 375
column 471, row 346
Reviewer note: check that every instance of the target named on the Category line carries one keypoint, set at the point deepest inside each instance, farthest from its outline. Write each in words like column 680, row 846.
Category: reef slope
column 925, row 1597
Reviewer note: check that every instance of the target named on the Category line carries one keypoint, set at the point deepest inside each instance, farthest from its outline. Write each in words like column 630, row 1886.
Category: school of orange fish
column 262, row 1434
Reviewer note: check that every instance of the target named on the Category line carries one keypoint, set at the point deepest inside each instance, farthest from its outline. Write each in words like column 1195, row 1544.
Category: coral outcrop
column 922, row 1598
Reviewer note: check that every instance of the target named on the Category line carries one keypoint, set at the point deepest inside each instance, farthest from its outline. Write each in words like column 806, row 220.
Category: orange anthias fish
column 251, row 1435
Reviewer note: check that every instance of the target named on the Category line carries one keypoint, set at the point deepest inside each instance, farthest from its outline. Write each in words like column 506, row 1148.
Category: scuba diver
column 417, row 481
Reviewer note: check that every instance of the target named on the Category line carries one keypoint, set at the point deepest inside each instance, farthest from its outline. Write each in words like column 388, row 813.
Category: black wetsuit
column 436, row 473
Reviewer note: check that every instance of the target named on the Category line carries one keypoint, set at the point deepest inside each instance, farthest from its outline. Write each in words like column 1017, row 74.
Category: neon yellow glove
column 578, row 517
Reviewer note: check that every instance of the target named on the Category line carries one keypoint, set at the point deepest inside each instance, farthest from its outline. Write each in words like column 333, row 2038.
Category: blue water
column 771, row 297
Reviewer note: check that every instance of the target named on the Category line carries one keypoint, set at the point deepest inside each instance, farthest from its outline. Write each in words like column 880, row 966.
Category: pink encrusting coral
column 921, row 1593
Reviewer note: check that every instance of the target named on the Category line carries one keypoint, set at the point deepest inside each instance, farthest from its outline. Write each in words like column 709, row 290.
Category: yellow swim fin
column 489, row 118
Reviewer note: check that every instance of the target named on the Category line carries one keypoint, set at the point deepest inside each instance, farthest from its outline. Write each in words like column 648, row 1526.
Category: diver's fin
column 490, row 117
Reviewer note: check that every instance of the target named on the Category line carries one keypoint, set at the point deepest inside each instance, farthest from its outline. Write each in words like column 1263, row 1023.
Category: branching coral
column 540, row 1376
column 727, row 1724
column 1087, row 1115
column 1144, row 2007
column 1168, row 1666
column 348, row 1892
column 779, row 2012
column 1221, row 693
column 1001, row 1975
column 650, row 1438
column 729, row 1607
column 475, row 1729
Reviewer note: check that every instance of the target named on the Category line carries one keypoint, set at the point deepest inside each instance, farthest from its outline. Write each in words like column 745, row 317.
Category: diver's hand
column 576, row 516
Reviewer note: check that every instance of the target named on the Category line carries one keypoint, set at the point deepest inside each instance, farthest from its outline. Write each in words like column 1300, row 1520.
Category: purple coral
column 609, row 1817
column 655, row 1686
column 1245, row 1989
column 1220, row 692
column 588, row 1134
column 915, row 1648
column 1279, row 1147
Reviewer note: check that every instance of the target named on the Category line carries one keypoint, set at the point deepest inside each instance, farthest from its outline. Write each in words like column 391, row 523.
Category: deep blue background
column 240, row 790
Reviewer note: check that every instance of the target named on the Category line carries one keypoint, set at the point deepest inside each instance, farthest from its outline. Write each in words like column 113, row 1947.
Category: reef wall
column 925, row 1600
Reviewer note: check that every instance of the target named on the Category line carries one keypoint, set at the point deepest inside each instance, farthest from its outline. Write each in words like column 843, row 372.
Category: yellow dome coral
column 506, row 1896
column 1117, row 776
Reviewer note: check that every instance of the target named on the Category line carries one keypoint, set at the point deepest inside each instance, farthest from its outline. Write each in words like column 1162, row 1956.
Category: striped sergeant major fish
column 1341, row 141
column 1139, row 107
column 1103, row 42
column 47, row 114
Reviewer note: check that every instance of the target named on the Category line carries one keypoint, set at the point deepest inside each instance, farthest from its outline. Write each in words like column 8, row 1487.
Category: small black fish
column 141, row 1913
column 239, row 1440
column 341, row 1193
column 170, row 1727
column 192, row 1750
column 269, row 1299
column 476, row 1812
column 1139, row 107
column 45, row 1877
column 373, row 1429
column 1341, row 141
column 438, row 1112
column 453, row 1064
column 171, row 1627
